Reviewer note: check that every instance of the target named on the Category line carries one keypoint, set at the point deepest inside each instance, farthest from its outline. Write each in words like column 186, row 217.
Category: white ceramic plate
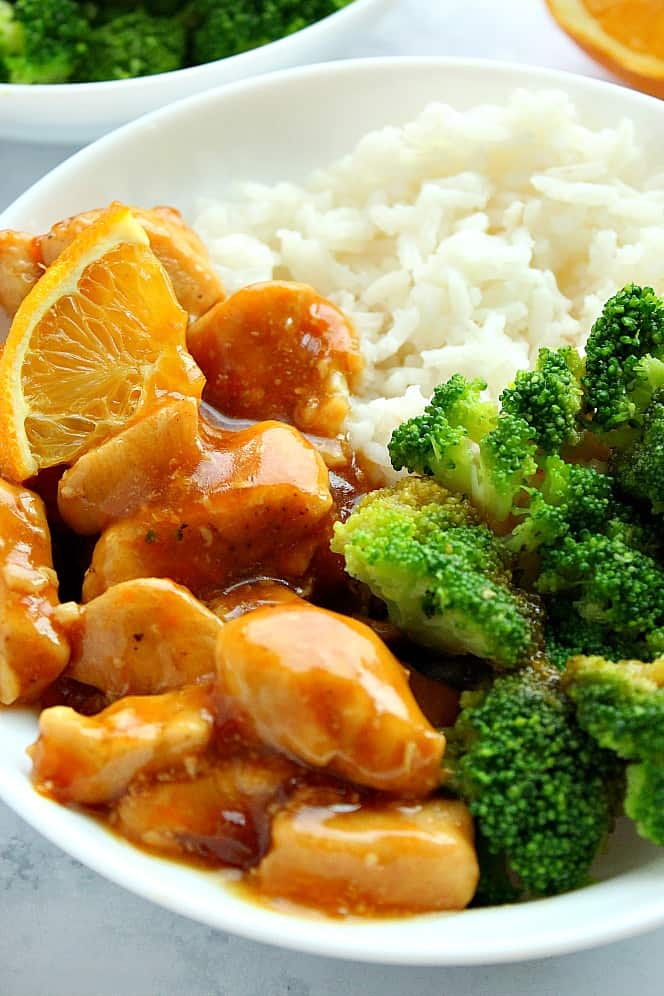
column 267, row 129
column 74, row 113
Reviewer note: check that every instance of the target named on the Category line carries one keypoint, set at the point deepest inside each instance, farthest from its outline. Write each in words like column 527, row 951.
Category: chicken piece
column 20, row 268
column 180, row 251
column 248, row 596
column 278, row 350
column 92, row 759
column 142, row 637
column 222, row 814
column 132, row 469
column 33, row 648
column 323, row 688
column 250, row 508
column 382, row 857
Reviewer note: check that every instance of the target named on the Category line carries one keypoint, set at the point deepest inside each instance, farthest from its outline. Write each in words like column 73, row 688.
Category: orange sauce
column 217, row 810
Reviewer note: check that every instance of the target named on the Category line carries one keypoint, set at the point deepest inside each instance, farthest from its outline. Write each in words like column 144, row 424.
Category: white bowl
column 74, row 113
column 269, row 129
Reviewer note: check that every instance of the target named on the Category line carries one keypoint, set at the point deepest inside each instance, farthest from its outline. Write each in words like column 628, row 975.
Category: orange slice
column 95, row 342
column 626, row 36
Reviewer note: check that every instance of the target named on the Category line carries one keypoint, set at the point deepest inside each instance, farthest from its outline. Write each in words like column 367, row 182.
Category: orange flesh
column 101, row 385
column 637, row 24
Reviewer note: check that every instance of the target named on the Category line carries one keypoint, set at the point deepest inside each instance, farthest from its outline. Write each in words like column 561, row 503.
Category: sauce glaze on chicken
column 219, row 690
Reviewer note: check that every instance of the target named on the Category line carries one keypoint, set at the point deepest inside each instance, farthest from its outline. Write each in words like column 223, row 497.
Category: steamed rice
column 460, row 242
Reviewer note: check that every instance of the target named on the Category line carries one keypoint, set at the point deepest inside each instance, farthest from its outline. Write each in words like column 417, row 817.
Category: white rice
column 460, row 242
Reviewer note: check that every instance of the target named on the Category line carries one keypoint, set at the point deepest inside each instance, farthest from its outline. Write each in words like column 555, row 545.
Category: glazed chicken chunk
column 20, row 268
column 33, row 648
column 371, row 858
column 324, row 689
column 278, row 350
column 221, row 813
column 132, row 469
column 142, row 637
column 93, row 759
column 23, row 258
column 180, row 251
column 253, row 503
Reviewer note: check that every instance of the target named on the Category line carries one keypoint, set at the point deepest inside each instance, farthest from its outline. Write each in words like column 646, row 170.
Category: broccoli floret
column 11, row 38
column 497, row 884
column 135, row 44
column 225, row 27
column 465, row 446
column 10, row 33
column 442, row 574
column 570, row 499
column 639, row 465
column 567, row 634
column 612, row 583
column 550, row 398
column 576, row 537
column 624, row 361
column 624, row 382
column 165, row 8
column 50, row 43
column 542, row 792
column 621, row 705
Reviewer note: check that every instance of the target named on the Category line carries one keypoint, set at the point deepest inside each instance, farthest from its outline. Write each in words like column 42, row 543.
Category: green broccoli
column 225, row 27
column 611, row 581
column 550, row 399
column 462, row 443
column 621, row 705
column 569, row 499
column 624, row 383
column 134, row 44
column 638, row 466
column 624, row 362
column 567, row 634
column 44, row 42
column 11, row 38
column 542, row 793
column 443, row 575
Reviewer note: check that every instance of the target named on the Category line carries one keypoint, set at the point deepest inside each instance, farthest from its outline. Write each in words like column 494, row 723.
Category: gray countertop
column 64, row 931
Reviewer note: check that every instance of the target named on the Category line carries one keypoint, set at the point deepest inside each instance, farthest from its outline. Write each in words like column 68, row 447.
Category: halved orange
column 95, row 342
column 626, row 36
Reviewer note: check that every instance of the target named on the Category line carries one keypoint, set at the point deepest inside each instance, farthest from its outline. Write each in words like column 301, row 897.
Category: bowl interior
column 279, row 128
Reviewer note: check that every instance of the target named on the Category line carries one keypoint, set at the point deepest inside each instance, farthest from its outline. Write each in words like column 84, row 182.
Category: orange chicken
column 23, row 258
column 278, row 350
column 253, row 503
column 33, row 648
column 181, row 252
column 324, row 689
column 93, row 759
column 20, row 268
column 382, row 857
column 142, row 637
column 132, row 469
column 222, row 813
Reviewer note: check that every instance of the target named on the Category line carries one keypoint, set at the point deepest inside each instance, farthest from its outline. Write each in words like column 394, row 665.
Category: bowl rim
column 200, row 70
column 335, row 940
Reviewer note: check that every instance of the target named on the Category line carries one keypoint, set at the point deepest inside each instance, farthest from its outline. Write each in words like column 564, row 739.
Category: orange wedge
column 626, row 36
column 95, row 342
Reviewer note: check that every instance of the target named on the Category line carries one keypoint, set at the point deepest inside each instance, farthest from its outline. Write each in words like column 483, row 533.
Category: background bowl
column 74, row 113
column 279, row 128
